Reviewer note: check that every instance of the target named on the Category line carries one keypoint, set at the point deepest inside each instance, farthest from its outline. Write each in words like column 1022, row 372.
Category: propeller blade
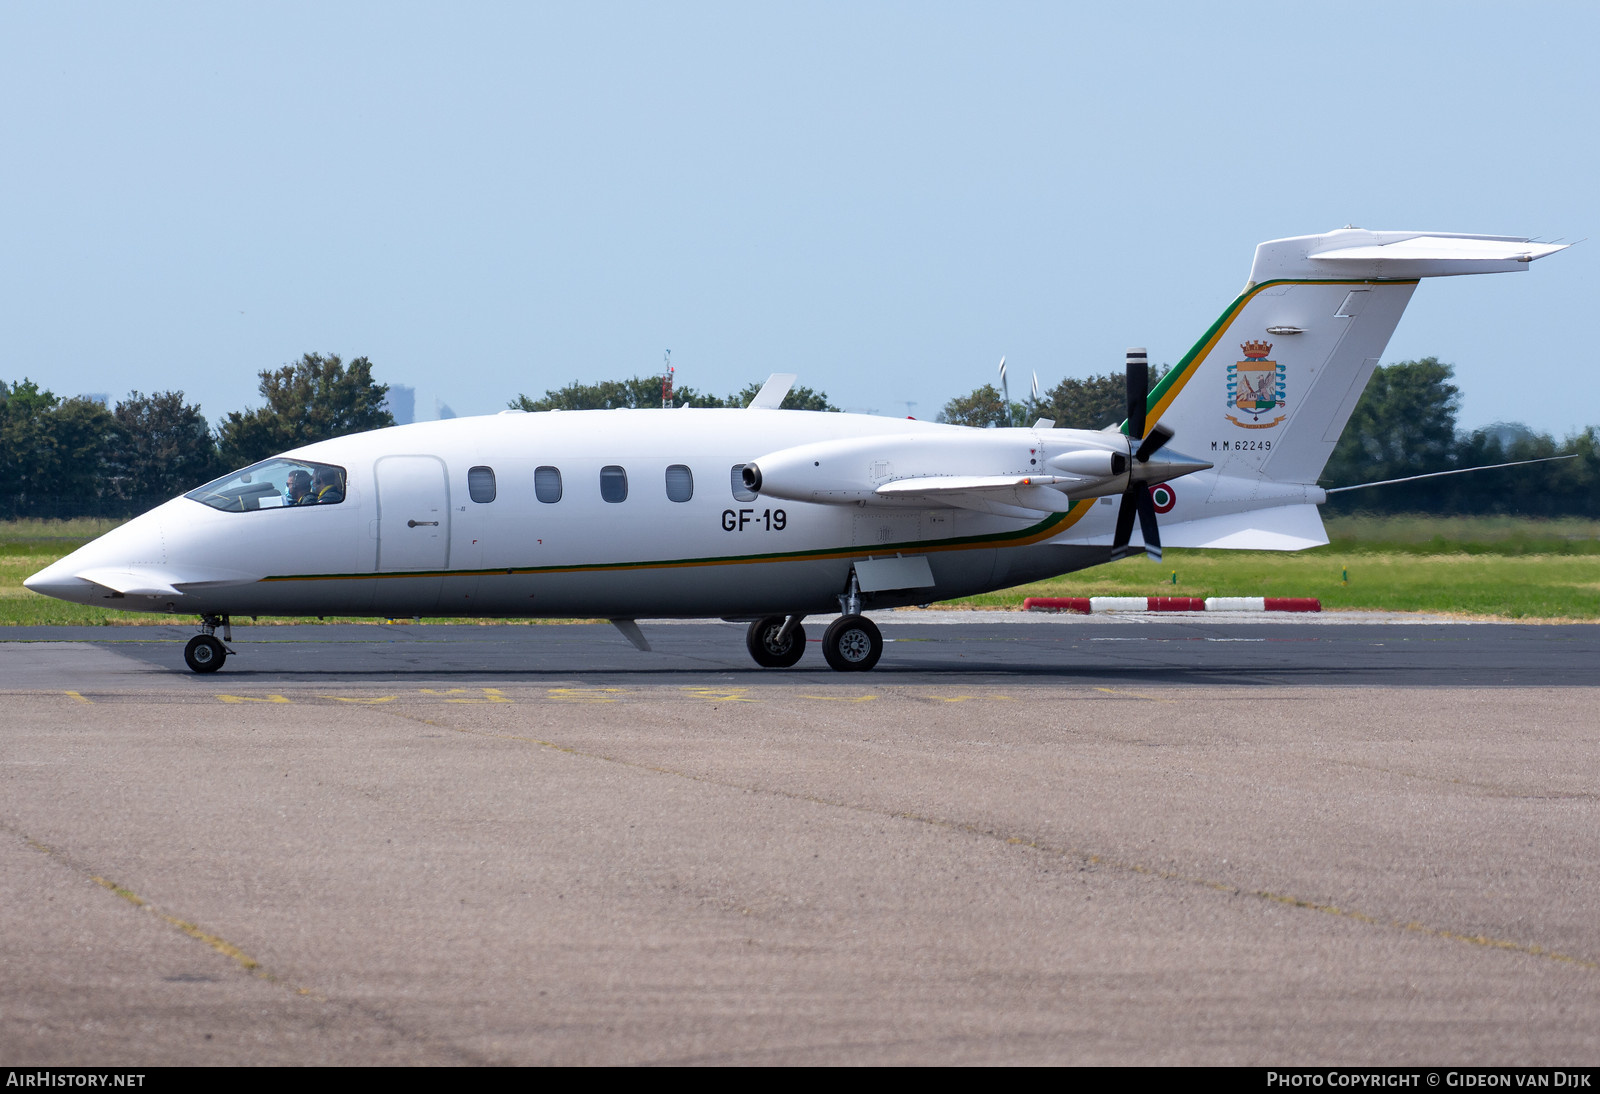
column 1159, row 436
column 1147, row 522
column 1138, row 390
column 1125, row 516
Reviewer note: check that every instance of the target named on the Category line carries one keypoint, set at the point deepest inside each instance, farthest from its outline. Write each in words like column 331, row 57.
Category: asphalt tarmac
column 923, row 647
column 1043, row 840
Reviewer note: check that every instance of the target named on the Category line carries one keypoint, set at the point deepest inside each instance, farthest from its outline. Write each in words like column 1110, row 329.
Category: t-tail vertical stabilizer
column 1267, row 390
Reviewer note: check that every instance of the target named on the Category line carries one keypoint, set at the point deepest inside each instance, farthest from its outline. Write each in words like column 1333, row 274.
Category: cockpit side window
column 278, row 483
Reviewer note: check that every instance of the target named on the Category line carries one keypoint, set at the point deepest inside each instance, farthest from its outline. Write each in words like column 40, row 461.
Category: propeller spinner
column 1144, row 470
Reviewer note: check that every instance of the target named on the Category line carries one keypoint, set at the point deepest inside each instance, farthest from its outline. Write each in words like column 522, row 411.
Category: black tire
column 761, row 641
column 205, row 653
column 852, row 643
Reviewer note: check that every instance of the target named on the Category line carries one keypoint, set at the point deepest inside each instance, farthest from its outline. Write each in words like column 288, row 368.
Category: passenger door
column 413, row 514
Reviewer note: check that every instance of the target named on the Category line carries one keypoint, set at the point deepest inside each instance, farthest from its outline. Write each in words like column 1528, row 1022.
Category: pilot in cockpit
column 299, row 488
column 325, row 487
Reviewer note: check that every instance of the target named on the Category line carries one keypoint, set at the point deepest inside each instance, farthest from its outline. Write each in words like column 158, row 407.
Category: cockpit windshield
column 277, row 483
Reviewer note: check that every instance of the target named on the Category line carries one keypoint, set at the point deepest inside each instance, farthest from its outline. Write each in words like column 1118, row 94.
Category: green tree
column 52, row 450
column 639, row 392
column 1403, row 424
column 798, row 398
column 644, row 392
column 315, row 398
column 1091, row 403
column 1567, row 488
column 163, row 446
column 982, row 407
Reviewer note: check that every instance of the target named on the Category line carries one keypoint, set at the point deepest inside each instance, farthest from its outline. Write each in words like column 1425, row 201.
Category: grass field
column 1483, row 567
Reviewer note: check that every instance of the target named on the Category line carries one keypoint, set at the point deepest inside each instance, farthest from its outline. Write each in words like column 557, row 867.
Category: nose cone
column 58, row 581
column 139, row 543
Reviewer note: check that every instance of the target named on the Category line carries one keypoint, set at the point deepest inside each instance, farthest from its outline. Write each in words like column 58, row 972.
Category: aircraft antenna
column 1005, row 392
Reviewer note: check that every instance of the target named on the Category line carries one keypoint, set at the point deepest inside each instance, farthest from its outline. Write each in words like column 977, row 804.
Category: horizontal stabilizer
column 1425, row 256
column 1358, row 253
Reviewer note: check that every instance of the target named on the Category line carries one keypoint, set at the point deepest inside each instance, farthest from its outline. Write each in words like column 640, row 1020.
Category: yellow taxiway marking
column 1135, row 695
column 79, row 697
column 221, row 945
column 583, row 695
column 216, row 942
column 607, row 695
column 721, row 695
column 477, row 695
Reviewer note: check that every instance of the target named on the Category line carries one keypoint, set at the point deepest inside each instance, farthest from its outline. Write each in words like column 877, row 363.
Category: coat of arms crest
column 1257, row 386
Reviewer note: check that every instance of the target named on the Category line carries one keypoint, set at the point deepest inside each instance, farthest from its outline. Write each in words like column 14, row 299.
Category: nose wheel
column 205, row 651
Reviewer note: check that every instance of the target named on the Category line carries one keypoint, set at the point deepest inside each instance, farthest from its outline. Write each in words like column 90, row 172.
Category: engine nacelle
column 857, row 470
column 849, row 471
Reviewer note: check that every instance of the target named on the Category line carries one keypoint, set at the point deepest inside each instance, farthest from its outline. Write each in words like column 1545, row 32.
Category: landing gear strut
column 776, row 642
column 205, row 651
column 852, row 643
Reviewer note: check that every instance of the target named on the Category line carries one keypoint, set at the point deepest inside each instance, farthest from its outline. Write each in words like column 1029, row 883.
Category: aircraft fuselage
column 408, row 539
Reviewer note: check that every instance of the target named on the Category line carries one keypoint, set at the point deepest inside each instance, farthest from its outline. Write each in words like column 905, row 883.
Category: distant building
column 1508, row 433
column 401, row 403
column 443, row 410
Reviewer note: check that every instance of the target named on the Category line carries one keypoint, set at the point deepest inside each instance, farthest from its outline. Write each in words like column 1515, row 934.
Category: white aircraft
column 765, row 516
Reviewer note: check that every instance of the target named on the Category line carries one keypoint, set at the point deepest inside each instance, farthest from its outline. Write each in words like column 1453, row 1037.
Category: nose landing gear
column 205, row 651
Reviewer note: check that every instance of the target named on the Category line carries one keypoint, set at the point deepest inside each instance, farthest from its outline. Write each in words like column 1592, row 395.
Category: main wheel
column 852, row 643
column 205, row 653
column 762, row 642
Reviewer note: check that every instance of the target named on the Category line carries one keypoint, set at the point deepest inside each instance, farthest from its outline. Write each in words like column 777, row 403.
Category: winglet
column 770, row 397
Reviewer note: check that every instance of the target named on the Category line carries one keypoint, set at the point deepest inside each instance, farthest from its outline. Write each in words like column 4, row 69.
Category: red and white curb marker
column 1087, row 604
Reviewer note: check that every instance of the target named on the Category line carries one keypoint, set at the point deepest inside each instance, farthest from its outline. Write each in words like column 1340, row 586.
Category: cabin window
column 277, row 483
column 613, row 483
column 547, row 484
column 480, row 484
column 680, row 483
column 741, row 492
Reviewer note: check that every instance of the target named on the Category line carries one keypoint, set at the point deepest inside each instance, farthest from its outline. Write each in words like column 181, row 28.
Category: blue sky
column 489, row 199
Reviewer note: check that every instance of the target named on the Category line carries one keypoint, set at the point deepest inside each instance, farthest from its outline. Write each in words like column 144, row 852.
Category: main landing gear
column 205, row 651
column 776, row 642
column 852, row 643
